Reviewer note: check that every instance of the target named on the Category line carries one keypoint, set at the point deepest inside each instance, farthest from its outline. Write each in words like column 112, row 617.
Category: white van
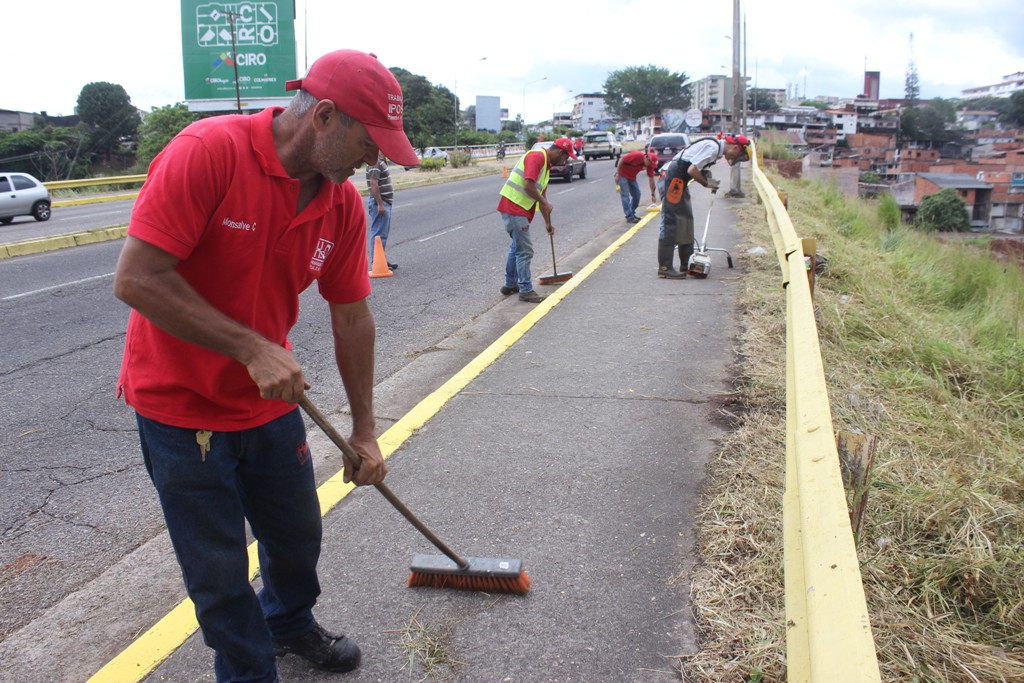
column 601, row 143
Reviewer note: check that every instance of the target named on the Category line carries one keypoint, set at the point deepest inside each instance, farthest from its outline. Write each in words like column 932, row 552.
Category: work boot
column 670, row 273
column 321, row 649
column 685, row 252
column 666, row 252
column 531, row 297
column 514, row 289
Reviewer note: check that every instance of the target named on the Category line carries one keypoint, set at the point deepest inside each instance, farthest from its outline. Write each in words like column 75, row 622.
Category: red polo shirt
column 631, row 163
column 218, row 199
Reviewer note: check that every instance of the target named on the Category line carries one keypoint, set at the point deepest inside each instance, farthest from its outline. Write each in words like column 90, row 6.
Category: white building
column 712, row 93
column 588, row 111
column 1010, row 84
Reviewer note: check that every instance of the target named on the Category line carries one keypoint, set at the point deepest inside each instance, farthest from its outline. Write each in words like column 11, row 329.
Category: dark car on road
column 23, row 195
column 667, row 145
column 571, row 167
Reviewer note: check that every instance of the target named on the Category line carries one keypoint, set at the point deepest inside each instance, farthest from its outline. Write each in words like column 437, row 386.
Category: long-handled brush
column 465, row 573
column 557, row 277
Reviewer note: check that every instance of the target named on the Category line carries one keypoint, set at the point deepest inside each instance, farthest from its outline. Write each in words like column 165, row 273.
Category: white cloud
column 138, row 45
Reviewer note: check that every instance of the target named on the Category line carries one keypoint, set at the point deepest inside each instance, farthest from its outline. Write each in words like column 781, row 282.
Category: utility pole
column 737, row 95
column 234, row 60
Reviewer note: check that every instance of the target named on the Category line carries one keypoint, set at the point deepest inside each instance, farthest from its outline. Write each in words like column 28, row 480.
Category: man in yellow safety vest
column 521, row 194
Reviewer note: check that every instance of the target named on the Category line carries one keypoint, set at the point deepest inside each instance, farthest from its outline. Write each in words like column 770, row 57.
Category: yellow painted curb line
column 155, row 645
column 54, row 242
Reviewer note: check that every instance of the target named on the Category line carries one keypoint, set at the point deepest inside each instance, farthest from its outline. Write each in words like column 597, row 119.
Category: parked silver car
column 23, row 195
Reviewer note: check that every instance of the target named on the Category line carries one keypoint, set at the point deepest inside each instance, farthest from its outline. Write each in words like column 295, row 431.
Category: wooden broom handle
column 334, row 435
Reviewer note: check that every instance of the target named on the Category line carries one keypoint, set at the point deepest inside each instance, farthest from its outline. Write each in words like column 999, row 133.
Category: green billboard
column 251, row 41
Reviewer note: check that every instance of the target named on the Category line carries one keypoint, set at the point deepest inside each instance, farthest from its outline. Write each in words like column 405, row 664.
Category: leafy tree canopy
column 161, row 124
column 928, row 124
column 942, row 211
column 759, row 99
column 47, row 153
column 430, row 110
column 641, row 90
column 108, row 111
column 1014, row 114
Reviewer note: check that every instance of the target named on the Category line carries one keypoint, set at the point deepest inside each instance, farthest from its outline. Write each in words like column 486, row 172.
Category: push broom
column 557, row 277
column 467, row 573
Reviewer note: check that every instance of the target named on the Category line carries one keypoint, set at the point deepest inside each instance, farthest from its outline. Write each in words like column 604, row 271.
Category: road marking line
column 49, row 289
column 443, row 232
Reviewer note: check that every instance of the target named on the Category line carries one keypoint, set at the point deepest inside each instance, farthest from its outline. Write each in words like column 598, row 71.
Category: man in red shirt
column 238, row 215
column 630, row 165
column 521, row 194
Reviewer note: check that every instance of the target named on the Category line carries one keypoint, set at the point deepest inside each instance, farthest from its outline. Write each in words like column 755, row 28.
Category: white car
column 23, row 195
column 430, row 153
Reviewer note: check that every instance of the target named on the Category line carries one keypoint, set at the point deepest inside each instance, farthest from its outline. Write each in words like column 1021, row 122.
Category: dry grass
column 923, row 345
column 429, row 650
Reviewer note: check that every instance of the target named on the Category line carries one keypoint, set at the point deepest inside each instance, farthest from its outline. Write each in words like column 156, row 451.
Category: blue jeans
column 629, row 193
column 520, row 252
column 263, row 475
column 379, row 225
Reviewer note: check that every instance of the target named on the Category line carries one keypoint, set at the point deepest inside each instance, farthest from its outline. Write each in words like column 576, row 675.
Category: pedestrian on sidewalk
column 677, row 207
column 521, row 194
column 238, row 216
column 630, row 165
column 379, row 202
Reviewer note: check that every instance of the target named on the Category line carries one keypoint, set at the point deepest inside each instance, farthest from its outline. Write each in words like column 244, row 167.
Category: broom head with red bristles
column 491, row 575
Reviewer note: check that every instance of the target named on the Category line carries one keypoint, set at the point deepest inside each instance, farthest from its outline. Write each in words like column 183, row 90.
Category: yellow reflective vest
column 513, row 188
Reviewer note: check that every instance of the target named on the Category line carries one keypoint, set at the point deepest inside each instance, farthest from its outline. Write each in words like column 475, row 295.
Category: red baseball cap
column 653, row 155
column 740, row 140
column 566, row 144
column 362, row 88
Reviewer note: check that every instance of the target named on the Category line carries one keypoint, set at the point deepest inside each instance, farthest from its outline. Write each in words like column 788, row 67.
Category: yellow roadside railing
column 828, row 630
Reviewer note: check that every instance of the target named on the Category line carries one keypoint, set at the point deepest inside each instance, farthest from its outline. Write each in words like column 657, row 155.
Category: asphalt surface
column 577, row 443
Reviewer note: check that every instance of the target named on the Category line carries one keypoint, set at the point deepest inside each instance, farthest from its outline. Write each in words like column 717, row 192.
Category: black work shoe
column 671, row 273
column 321, row 649
column 633, row 219
column 510, row 290
column 393, row 266
column 531, row 297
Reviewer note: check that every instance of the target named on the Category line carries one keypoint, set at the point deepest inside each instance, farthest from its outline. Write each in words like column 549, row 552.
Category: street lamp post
column 524, row 99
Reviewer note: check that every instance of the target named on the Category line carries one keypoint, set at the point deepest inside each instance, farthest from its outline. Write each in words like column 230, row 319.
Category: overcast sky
column 51, row 48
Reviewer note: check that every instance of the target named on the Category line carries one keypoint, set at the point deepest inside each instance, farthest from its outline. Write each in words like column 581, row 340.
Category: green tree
column 638, row 91
column 160, row 125
column 912, row 83
column 1014, row 113
column 944, row 211
column 108, row 111
column 429, row 110
column 928, row 124
column 49, row 153
column 759, row 99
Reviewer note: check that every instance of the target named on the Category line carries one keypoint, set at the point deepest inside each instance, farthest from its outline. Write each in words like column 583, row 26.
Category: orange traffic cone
column 380, row 263
column 504, row 171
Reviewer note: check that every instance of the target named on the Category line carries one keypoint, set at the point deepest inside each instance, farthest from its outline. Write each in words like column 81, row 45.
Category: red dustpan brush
column 503, row 575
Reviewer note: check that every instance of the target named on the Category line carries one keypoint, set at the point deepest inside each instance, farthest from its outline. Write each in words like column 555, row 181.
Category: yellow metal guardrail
column 828, row 630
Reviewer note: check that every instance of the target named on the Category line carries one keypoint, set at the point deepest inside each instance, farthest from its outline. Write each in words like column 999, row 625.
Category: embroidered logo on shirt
column 323, row 249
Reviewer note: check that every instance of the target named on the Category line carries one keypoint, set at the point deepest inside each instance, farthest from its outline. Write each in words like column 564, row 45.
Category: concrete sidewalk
column 580, row 449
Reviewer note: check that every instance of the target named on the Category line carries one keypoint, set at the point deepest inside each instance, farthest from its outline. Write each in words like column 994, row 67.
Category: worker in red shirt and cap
column 691, row 164
column 630, row 165
column 239, row 215
column 521, row 195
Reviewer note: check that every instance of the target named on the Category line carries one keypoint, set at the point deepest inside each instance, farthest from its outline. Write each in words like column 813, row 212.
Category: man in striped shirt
column 378, row 180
